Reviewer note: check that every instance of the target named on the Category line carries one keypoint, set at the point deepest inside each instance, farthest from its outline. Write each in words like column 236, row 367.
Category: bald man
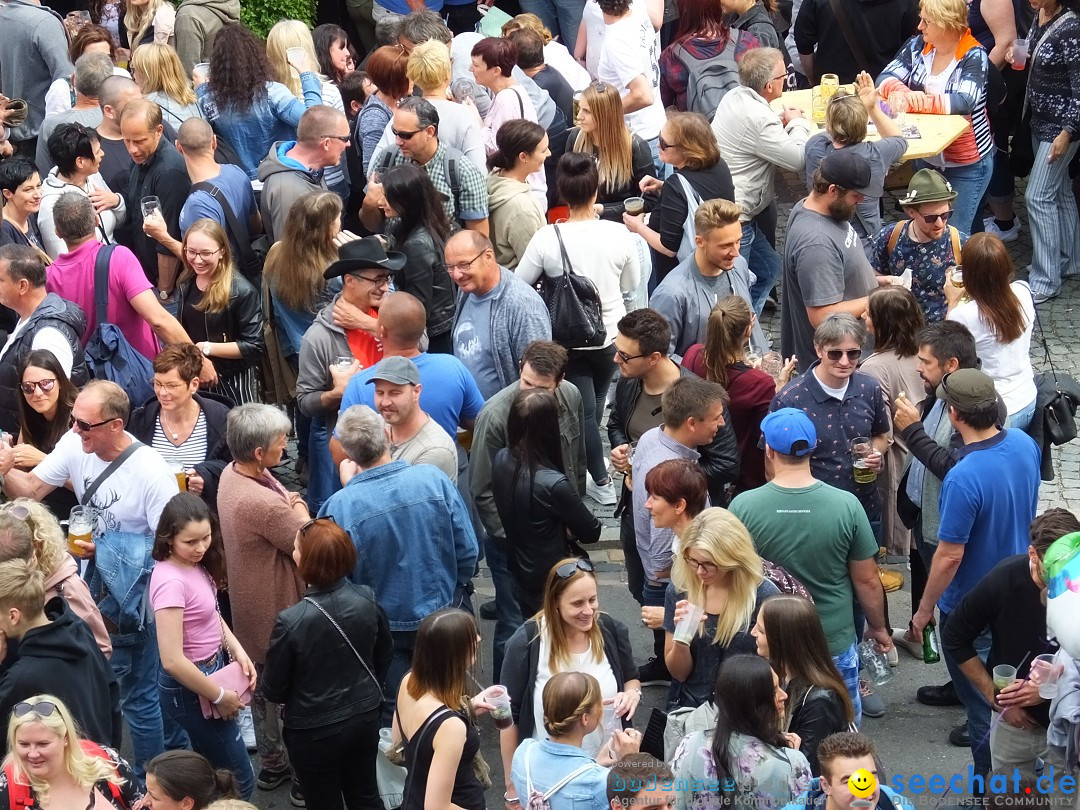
column 115, row 93
column 159, row 172
column 295, row 168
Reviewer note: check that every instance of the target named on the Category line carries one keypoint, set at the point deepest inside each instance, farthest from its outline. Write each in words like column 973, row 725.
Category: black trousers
column 336, row 764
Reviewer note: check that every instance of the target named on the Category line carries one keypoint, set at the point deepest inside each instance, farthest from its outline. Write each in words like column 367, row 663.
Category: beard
column 840, row 210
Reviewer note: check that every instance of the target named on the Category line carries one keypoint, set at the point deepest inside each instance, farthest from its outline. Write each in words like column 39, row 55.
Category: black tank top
column 419, row 751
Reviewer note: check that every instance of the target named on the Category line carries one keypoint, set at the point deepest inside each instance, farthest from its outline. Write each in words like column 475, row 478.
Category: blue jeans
column 508, row 613
column 323, row 479
column 653, row 596
column 970, row 183
column 978, row 710
column 136, row 666
column 847, row 663
column 1022, row 418
column 219, row 741
column 765, row 263
column 561, row 17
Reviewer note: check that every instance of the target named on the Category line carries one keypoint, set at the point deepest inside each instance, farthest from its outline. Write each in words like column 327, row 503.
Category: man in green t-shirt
column 821, row 535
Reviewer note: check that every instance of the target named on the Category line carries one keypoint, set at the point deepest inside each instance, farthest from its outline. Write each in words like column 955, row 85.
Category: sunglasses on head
column 45, row 386
column 852, row 354
column 568, row 569
column 43, row 708
column 313, row 521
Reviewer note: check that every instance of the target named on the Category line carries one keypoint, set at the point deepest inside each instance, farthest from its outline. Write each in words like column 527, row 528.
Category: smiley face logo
column 862, row 784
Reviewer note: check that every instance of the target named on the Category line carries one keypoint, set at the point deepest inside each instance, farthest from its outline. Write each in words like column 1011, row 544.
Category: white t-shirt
column 631, row 49
column 579, row 662
column 49, row 338
column 130, row 500
column 1009, row 364
column 557, row 56
column 599, row 250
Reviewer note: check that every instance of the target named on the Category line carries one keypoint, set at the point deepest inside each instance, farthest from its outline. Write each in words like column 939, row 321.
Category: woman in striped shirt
column 943, row 71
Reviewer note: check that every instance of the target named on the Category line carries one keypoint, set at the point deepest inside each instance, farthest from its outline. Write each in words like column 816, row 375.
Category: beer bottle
column 931, row 644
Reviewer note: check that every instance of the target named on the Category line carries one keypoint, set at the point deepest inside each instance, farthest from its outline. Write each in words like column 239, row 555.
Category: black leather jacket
column 424, row 275
column 720, row 460
column 240, row 321
column 311, row 670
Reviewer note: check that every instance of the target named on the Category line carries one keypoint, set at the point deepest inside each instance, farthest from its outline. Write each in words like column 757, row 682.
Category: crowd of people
column 448, row 264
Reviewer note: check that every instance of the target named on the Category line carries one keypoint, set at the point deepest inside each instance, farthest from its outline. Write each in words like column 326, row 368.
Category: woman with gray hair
column 259, row 521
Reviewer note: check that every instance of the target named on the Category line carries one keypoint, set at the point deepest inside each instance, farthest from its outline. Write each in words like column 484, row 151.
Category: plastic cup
column 772, row 364
column 499, row 698
column 1020, row 54
column 296, row 57
column 1047, row 673
column 201, row 71
column 150, row 207
column 343, row 362
column 817, row 105
column 956, row 276
column 875, row 664
column 1004, row 674
column 686, row 629
column 634, row 205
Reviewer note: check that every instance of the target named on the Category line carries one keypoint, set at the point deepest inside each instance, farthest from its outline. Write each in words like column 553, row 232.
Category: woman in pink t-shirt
column 193, row 639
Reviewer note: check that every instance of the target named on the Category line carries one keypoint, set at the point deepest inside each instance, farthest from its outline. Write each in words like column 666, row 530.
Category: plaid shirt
column 471, row 201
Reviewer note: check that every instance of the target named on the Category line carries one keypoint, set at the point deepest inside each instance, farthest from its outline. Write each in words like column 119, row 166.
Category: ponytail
column 728, row 322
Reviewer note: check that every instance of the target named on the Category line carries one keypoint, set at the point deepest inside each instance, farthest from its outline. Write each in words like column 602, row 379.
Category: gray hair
column 757, row 66
column 252, row 426
column 91, row 71
column 73, row 216
column 426, row 114
column 838, row 326
column 362, row 434
column 420, row 26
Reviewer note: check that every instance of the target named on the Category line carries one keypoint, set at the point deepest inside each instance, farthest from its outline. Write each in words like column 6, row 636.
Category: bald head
column 195, row 137
column 115, row 93
column 402, row 319
column 471, row 240
column 317, row 122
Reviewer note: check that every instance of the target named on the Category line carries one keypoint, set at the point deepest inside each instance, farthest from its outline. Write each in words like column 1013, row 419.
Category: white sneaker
column 605, row 495
column 1010, row 235
column 247, row 728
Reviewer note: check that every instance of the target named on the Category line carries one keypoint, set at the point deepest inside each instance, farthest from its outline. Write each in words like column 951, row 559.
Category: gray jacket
column 518, row 317
column 323, row 341
column 197, row 23
column 33, row 54
column 686, row 302
column 284, row 182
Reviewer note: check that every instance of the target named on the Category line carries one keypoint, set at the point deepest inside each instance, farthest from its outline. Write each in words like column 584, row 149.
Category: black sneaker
column 488, row 611
column 654, row 673
column 959, row 736
column 938, row 695
column 296, row 795
column 268, row 779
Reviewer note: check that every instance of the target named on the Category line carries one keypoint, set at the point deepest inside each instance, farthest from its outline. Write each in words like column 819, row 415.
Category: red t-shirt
column 365, row 348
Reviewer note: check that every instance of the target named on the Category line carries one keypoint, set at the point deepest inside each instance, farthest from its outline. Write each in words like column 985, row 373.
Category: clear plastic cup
column 343, row 362
column 1020, row 54
column 1004, row 674
column 296, row 57
column 1046, row 673
column 201, row 71
column 499, row 698
column 686, row 629
column 634, row 205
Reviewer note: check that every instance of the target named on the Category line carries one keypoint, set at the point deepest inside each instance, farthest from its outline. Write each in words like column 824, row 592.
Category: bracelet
column 635, row 689
column 220, row 697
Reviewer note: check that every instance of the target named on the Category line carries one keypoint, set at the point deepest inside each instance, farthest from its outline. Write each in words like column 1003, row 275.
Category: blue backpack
column 109, row 356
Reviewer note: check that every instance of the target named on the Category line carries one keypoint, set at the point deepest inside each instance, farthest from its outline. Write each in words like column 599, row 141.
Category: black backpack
column 252, row 251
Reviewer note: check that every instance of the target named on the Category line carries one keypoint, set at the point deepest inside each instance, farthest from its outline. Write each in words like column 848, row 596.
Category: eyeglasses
column 45, row 386
column 662, row 143
column 931, row 219
column 405, row 136
column 567, row 570
column 86, row 427
column 461, row 267
column 853, row 355
column 205, row 255
column 303, row 529
column 378, row 281
column 626, row 358
column 704, row 567
column 342, row 138
column 163, row 386
column 18, row 511
column 43, row 708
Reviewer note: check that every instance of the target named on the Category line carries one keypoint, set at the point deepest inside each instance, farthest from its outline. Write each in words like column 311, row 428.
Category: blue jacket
column 414, row 540
column 119, row 578
column 551, row 762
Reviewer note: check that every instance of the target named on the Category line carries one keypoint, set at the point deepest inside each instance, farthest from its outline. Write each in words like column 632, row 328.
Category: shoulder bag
column 252, row 251
column 356, row 652
column 573, row 303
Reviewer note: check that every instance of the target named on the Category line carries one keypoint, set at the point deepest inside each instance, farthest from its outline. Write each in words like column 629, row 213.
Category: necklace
column 175, row 434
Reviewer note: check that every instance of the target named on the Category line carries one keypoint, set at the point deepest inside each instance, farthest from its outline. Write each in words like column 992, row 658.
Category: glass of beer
column 830, row 83
column 80, row 527
column 178, row 470
column 861, row 448
column 956, row 276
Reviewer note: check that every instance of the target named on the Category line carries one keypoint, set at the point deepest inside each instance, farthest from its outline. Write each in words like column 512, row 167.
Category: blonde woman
column 295, row 34
column 716, row 569
column 149, row 21
column 52, row 767
column 160, row 75
column 220, row 310
column 624, row 159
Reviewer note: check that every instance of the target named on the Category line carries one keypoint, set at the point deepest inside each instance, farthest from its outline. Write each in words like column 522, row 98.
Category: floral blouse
column 764, row 776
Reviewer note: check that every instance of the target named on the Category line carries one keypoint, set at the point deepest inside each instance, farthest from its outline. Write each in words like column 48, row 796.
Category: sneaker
column 488, row 611
column 247, row 728
column 1042, row 298
column 959, row 736
column 938, row 695
column 1008, row 235
column 893, row 657
column 603, row 494
column 296, row 795
column 891, row 580
column 912, row 645
column 654, row 673
column 268, row 779
column 873, row 705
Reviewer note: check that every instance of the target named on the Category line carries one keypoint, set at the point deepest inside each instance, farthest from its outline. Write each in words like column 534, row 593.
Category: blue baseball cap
column 789, row 431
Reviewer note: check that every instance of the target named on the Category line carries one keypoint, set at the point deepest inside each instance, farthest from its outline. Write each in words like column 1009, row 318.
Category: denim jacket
column 551, row 762
column 119, row 578
column 414, row 540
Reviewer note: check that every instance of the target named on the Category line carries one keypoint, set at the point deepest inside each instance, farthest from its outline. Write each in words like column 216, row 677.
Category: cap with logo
column 789, row 431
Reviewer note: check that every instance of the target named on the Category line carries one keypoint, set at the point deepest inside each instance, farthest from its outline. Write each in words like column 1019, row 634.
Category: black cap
column 844, row 168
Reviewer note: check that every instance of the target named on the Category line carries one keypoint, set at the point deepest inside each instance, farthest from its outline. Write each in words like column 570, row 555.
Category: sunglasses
column 931, row 219
column 568, row 569
column 18, row 511
column 853, row 355
column 313, row 521
column 405, row 136
column 85, row 426
column 45, row 386
column 662, row 143
column 43, row 708
column 342, row 138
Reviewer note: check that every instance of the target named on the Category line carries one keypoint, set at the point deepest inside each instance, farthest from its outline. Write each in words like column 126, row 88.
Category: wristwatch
column 164, row 295
column 204, row 347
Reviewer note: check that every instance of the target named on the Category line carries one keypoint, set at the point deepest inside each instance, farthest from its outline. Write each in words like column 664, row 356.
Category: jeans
column 847, row 664
column 970, row 183
column 1022, row 418
column 508, row 613
column 561, row 17
column 1052, row 217
column 653, row 596
column 323, row 480
column 978, row 710
column 136, row 668
column 635, row 572
column 591, row 371
column 219, row 741
column 400, row 663
column 765, row 263
column 336, row 764
column 661, row 167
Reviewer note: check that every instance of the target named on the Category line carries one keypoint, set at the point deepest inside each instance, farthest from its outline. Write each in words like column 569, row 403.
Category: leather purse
column 231, row 678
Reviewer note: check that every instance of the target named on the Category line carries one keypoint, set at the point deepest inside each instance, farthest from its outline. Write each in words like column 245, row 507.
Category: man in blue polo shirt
column 985, row 516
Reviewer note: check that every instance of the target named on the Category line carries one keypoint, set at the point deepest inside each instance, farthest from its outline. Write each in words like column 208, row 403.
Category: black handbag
column 1059, row 412
column 573, row 303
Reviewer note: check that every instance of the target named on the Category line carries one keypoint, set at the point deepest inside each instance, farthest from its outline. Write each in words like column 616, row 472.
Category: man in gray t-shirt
column 825, row 268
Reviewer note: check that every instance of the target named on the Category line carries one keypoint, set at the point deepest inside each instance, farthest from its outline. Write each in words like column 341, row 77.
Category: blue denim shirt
column 550, row 762
column 414, row 540
column 119, row 579
column 251, row 133
column 292, row 323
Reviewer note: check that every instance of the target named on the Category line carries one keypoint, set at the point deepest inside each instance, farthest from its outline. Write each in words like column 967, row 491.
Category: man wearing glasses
column 923, row 247
column 295, row 168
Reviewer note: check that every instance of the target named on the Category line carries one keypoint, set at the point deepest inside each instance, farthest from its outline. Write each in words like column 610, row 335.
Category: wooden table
column 938, row 131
